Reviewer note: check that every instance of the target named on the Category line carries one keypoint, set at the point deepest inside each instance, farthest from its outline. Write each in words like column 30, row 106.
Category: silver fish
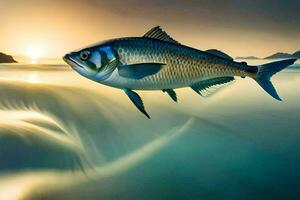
column 157, row 62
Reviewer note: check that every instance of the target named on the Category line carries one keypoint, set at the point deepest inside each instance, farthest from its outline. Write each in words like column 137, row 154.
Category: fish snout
column 66, row 58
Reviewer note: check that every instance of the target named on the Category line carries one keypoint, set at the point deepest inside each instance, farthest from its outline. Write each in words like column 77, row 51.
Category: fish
column 156, row 61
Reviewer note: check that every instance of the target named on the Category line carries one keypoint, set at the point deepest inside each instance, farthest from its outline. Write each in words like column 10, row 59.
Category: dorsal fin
column 159, row 34
column 219, row 53
column 208, row 87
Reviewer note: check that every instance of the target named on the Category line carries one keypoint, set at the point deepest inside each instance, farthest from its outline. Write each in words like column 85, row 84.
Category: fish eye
column 84, row 55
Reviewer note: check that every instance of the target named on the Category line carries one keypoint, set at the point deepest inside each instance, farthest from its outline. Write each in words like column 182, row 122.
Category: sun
column 34, row 53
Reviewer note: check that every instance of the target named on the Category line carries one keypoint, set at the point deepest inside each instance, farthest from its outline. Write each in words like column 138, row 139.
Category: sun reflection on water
column 33, row 78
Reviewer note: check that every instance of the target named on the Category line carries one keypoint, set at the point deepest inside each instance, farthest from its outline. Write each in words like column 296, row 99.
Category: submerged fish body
column 158, row 62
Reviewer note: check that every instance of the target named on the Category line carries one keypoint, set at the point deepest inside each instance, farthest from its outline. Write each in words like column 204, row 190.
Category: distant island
column 6, row 58
column 279, row 55
column 248, row 58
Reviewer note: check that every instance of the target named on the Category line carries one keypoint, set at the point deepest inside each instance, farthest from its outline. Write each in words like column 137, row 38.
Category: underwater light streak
column 134, row 158
column 51, row 181
column 17, row 124
column 30, row 121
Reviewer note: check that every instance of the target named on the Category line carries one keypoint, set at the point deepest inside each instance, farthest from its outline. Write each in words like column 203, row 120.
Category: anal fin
column 137, row 101
column 208, row 87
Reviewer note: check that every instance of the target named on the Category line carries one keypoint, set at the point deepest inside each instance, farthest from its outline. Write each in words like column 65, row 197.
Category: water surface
column 65, row 137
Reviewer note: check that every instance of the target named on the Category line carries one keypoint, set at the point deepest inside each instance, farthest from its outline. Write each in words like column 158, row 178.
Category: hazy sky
column 253, row 27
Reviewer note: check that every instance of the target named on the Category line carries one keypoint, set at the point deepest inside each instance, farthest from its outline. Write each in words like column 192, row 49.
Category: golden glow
column 34, row 53
column 33, row 78
column 59, row 28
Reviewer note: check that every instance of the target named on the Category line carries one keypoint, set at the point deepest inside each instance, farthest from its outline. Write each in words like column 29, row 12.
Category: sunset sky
column 240, row 28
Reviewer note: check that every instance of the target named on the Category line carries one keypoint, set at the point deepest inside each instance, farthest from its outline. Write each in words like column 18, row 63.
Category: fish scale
column 183, row 66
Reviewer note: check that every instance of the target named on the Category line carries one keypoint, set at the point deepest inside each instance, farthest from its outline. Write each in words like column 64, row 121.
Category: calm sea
column 65, row 137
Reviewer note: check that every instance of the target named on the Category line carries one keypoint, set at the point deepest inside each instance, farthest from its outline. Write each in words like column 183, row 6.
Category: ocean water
column 65, row 137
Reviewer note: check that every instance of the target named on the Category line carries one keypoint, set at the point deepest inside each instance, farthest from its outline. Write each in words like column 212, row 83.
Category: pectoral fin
column 136, row 100
column 171, row 93
column 203, row 87
column 139, row 71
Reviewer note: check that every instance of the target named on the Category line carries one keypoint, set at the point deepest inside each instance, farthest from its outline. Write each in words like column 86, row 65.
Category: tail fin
column 266, row 71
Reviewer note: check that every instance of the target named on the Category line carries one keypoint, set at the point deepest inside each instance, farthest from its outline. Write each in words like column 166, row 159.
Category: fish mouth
column 68, row 59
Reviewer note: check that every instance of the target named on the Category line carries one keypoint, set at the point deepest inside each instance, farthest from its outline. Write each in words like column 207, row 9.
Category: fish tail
column 266, row 71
